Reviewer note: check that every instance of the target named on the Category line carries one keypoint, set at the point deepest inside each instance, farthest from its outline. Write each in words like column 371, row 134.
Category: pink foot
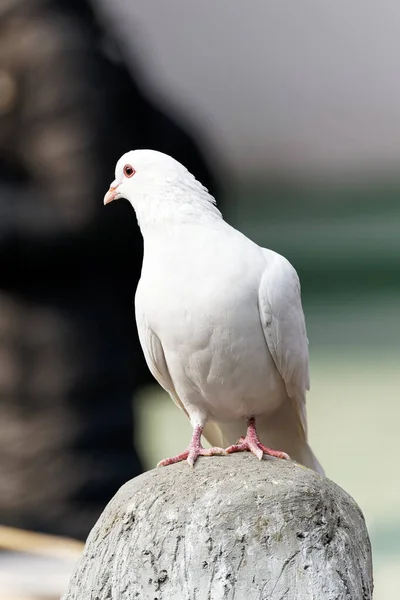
column 251, row 443
column 193, row 452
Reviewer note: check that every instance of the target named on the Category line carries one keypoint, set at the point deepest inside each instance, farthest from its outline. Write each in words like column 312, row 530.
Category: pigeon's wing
column 282, row 318
column 155, row 359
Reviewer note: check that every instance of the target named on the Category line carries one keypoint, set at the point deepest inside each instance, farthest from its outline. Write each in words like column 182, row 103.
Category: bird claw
column 257, row 448
column 191, row 455
column 251, row 443
column 196, row 452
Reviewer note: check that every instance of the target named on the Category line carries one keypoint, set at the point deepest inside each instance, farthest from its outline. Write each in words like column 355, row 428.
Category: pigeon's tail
column 280, row 431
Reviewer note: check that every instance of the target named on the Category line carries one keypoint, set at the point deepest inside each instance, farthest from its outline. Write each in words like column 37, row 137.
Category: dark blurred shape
column 70, row 359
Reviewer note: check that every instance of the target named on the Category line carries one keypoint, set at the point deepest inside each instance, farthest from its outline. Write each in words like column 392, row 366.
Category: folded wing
column 283, row 323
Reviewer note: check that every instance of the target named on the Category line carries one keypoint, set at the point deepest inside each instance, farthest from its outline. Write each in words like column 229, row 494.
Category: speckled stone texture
column 231, row 528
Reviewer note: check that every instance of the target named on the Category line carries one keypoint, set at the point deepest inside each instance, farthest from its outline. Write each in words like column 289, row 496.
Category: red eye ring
column 129, row 171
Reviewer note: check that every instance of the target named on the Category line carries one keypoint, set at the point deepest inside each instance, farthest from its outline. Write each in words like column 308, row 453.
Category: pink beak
column 110, row 196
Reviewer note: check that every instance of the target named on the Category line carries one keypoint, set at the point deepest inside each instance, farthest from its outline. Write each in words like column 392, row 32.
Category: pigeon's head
column 157, row 186
column 143, row 172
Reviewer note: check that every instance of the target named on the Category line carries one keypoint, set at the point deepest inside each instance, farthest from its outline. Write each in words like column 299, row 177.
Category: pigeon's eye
column 129, row 171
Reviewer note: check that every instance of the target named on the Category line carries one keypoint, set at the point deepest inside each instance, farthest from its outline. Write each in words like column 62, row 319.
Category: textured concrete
column 232, row 528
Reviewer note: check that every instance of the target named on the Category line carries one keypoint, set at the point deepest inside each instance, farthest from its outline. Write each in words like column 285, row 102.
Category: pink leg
column 251, row 443
column 193, row 452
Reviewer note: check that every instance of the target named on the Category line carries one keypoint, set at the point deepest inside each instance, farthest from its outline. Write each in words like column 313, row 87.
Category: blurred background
column 290, row 114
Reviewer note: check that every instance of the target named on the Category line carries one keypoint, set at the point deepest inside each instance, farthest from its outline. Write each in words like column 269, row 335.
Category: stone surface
column 231, row 528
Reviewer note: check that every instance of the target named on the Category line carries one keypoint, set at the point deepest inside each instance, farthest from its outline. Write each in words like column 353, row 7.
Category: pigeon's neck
column 177, row 206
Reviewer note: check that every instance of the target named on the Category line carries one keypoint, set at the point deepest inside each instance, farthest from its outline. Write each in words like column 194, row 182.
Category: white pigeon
column 220, row 319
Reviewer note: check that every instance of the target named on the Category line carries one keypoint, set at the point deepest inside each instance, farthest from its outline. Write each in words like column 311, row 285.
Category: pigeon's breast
column 208, row 323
